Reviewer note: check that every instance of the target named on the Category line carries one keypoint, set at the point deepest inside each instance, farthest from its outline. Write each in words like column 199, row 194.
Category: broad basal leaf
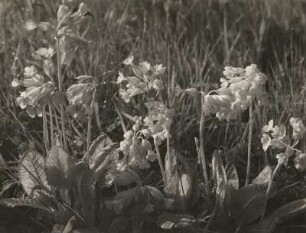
column 251, row 211
column 158, row 199
column 185, row 185
column 285, row 212
column 83, row 180
column 289, row 210
column 232, row 177
column 126, row 177
column 123, row 200
column 58, row 164
column 99, row 150
column 31, row 172
column 239, row 198
column 264, row 176
column 171, row 221
column 219, row 175
column 23, row 202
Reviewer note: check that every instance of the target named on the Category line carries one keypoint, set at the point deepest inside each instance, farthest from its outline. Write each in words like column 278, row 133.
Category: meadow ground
column 192, row 185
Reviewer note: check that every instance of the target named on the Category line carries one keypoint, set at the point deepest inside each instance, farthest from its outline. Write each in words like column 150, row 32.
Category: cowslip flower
column 239, row 88
column 45, row 53
column 37, row 92
column 300, row 161
column 158, row 120
column 67, row 31
column 137, row 150
column 298, row 128
column 82, row 93
column 145, row 78
column 276, row 137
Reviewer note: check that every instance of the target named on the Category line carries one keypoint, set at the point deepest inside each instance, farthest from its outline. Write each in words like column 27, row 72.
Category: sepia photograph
column 152, row 116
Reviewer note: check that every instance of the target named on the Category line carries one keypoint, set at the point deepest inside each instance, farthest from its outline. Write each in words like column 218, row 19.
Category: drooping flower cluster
column 298, row 128
column 276, row 137
column 158, row 120
column 37, row 92
column 82, row 93
column 239, row 88
column 137, row 148
column 145, row 78
column 46, row 54
column 67, row 31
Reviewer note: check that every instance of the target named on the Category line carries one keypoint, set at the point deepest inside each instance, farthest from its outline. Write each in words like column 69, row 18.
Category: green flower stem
column 60, row 88
column 201, row 151
column 160, row 162
column 248, row 173
column 279, row 165
column 168, row 161
column 45, row 130
column 51, row 125
column 88, row 139
column 90, row 116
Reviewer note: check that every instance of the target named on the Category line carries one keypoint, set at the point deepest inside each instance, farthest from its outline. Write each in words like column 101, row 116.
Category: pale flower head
column 279, row 132
column 29, row 71
column 265, row 141
column 298, row 128
column 300, row 161
column 82, row 93
column 37, row 92
column 282, row 158
column 16, row 83
column 268, row 128
column 146, row 78
column 128, row 61
column 240, row 86
column 45, row 53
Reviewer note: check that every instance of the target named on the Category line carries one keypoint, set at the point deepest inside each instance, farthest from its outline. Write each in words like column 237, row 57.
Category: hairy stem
column 89, row 125
column 168, row 161
column 160, row 162
column 51, row 125
column 88, row 138
column 248, row 173
column 45, row 130
column 201, row 149
column 60, row 88
column 279, row 165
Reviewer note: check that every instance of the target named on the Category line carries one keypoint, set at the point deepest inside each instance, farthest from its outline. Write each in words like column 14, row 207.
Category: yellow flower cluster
column 239, row 87
column 276, row 137
column 145, row 78
column 137, row 149
column 37, row 92
column 82, row 93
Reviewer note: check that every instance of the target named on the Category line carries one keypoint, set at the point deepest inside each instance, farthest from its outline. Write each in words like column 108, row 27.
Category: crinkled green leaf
column 58, row 165
column 83, row 180
column 232, row 177
column 264, row 176
column 241, row 197
column 251, row 211
column 284, row 212
column 157, row 197
column 126, row 177
column 99, row 150
column 219, row 175
column 170, row 221
column 31, row 172
column 23, row 202
column 123, row 200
